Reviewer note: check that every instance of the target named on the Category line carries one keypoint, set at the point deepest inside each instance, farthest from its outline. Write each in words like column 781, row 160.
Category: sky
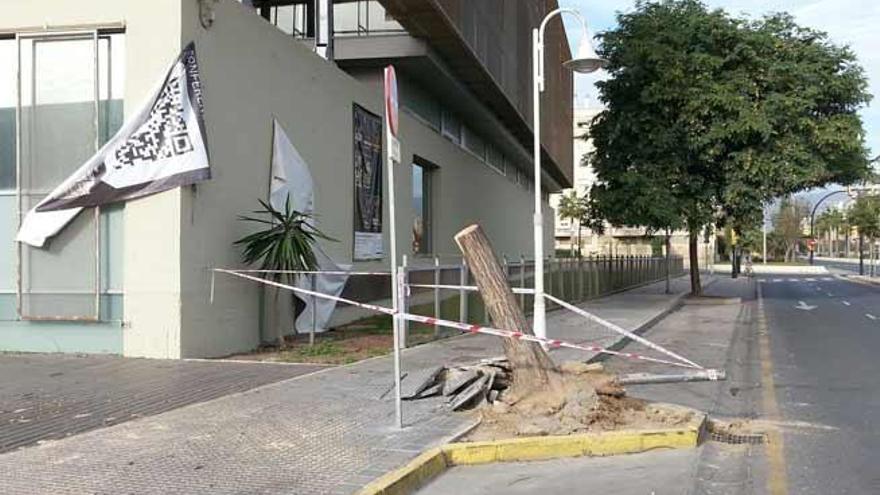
column 847, row 22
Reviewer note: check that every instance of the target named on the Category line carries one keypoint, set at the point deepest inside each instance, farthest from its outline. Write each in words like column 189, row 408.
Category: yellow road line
column 777, row 479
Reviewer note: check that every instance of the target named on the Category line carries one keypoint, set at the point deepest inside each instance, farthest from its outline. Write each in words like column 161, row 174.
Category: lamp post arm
column 813, row 215
column 540, row 39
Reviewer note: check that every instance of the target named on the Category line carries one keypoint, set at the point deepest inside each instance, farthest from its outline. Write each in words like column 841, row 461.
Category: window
column 451, row 127
column 422, row 178
column 495, row 159
column 7, row 115
column 474, row 143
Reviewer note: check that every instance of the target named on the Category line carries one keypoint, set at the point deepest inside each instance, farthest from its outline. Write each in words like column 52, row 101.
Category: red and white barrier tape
column 621, row 330
column 373, row 307
column 467, row 327
column 574, row 309
column 312, row 272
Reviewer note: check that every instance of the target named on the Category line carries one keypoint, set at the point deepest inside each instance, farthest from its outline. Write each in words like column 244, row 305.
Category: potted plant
column 284, row 244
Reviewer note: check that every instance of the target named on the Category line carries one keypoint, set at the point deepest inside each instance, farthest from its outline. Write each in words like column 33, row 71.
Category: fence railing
column 574, row 280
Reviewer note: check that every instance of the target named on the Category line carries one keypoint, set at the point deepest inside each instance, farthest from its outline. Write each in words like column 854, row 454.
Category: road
column 824, row 336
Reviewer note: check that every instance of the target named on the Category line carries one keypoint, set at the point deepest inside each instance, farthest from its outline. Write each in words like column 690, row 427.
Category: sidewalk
column 327, row 432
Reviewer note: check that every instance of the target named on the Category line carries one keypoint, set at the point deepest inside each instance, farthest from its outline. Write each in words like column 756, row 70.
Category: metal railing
column 573, row 280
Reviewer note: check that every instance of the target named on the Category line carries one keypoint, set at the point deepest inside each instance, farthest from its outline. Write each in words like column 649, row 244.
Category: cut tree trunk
column 533, row 369
column 696, row 287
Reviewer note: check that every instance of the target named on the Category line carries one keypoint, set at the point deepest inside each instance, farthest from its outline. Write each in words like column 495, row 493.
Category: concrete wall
column 251, row 73
column 152, row 298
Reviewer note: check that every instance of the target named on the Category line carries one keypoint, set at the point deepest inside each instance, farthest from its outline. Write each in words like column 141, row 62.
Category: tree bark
column 533, row 369
column 696, row 287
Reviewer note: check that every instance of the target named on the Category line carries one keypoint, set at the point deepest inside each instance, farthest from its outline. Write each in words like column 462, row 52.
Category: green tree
column 572, row 208
column 865, row 216
column 708, row 117
column 578, row 210
column 828, row 224
column 788, row 225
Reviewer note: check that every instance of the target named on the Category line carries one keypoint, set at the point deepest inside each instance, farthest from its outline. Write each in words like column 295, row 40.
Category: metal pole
column 395, row 280
column 538, row 222
column 314, row 310
column 522, row 280
column 861, row 256
column 462, row 294
column 398, row 408
column 436, row 293
column 404, row 300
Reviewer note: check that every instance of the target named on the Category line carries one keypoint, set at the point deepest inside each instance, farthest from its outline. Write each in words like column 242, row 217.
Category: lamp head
column 586, row 60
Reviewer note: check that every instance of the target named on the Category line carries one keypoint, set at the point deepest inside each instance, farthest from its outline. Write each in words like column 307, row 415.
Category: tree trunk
column 668, row 261
column 579, row 240
column 533, row 370
column 696, row 287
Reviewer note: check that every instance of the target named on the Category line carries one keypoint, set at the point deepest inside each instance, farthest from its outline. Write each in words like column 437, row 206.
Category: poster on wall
column 367, row 185
column 160, row 147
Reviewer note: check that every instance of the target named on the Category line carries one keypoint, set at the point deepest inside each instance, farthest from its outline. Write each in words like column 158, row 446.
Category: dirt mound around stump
column 577, row 408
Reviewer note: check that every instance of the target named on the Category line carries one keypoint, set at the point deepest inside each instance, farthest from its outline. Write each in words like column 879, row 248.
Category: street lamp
column 585, row 61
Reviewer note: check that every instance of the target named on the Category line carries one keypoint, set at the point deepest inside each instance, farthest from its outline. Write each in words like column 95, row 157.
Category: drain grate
column 734, row 432
column 737, row 438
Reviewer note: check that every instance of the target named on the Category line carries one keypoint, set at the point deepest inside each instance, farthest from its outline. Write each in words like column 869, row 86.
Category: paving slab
column 51, row 396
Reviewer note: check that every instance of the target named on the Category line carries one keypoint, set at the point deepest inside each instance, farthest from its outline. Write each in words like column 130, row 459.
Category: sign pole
column 396, row 286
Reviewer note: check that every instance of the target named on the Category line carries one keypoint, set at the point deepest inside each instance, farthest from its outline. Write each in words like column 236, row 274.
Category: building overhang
column 424, row 19
column 416, row 60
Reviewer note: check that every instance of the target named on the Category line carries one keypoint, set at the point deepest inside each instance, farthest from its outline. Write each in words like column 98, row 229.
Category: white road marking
column 792, row 280
column 811, row 280
column 805, row 306
column 870, row 316
column 845, row 303
column 827, row 279
column 829, row 294
column 778, row 280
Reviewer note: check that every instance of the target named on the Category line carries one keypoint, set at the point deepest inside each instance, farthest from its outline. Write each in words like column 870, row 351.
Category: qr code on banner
column 163, row 135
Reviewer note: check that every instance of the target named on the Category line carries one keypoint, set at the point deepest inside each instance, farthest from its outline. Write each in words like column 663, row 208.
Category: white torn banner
column 292, row 179
column 161, row 147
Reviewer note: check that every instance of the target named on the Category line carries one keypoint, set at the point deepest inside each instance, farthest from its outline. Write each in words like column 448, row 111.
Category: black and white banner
column 161, row 147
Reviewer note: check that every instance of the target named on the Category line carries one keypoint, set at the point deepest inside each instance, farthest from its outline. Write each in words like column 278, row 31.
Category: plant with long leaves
column 285, row 244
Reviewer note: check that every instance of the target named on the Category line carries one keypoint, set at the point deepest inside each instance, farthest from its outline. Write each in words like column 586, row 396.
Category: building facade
column 135, row 278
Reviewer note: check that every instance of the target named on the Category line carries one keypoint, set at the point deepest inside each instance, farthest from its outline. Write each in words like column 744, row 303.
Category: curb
column 433, row 462
column 859, row 279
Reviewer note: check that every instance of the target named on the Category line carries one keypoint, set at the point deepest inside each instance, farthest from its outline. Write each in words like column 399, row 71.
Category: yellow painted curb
column 432, row 463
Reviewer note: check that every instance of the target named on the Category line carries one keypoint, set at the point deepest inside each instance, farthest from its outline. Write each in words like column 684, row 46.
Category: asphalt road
column 824, row 340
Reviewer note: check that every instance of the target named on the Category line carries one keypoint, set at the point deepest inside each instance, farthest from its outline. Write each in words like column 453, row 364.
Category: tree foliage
column 864, row 215
column 709, row 116
column 788, row 225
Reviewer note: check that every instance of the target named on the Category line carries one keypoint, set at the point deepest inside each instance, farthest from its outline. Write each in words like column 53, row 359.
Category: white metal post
column 395, row 281
column 538, row 221
column 436, row 293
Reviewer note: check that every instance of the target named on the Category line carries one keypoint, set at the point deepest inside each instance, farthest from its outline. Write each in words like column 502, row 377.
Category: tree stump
column 532, row 367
